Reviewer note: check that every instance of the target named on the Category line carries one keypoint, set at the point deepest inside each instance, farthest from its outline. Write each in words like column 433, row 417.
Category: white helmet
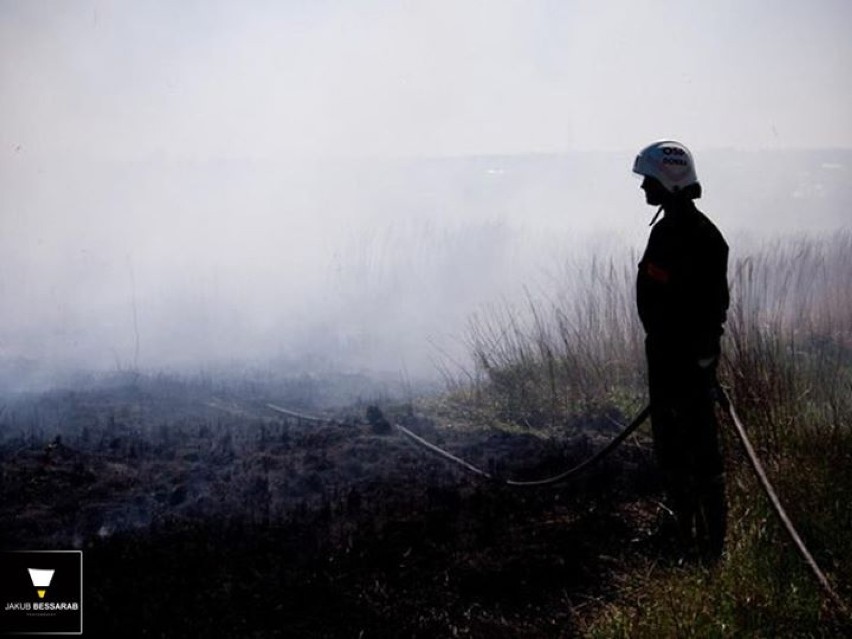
column 669, row 162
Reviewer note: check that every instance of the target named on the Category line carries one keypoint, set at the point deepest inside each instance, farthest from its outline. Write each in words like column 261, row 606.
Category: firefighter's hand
column 706, row 362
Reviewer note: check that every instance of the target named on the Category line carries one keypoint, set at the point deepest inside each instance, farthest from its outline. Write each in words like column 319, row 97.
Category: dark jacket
column 682, row 287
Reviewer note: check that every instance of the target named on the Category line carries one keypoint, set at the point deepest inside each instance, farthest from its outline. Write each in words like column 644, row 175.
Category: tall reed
column 787, row 361
column 787, row 349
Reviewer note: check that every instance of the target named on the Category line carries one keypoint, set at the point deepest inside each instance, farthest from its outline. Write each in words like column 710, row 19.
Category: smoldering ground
column 221, row 516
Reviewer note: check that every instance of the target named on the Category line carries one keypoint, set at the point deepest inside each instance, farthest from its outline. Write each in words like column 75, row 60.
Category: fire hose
column 606, row 450
column 726, row 404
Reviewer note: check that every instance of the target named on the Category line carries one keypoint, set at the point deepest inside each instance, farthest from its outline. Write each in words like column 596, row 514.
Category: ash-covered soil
column 203, row 513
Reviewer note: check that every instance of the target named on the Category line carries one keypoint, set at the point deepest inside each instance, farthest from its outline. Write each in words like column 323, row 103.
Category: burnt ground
column 203, row 513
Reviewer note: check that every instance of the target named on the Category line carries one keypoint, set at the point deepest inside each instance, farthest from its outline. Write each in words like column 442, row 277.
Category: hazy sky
column 166, row 194
column 255, row 78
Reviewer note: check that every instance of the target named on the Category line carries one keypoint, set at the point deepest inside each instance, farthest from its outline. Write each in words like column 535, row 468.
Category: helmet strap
column 656, row 215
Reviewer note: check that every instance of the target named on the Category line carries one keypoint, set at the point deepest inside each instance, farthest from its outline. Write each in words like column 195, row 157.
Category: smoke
column 359, row 265
column 340, row 184
column 147, row 264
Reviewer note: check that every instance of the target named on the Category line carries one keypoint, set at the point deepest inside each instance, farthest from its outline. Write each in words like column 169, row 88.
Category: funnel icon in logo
column 41, row 580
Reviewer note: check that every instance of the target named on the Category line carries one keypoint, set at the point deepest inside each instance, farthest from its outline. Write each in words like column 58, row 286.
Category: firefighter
column 682, row 299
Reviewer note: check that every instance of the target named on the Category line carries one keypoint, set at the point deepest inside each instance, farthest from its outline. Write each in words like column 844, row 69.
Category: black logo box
column 66, row 587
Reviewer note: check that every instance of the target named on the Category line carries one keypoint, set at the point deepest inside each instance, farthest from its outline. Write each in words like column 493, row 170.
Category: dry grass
column 578, row 351
column 788, row 364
